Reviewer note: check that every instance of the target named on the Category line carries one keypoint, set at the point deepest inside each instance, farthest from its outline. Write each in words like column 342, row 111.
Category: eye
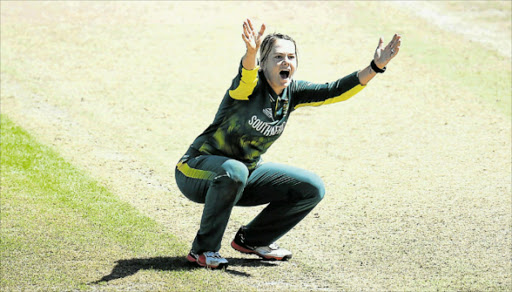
column 291, row 57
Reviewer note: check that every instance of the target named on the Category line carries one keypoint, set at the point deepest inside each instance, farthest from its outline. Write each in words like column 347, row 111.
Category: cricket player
column 223, row 167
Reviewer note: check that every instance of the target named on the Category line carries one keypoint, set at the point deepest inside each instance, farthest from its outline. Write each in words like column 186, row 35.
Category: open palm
column 383, row 54
column 251, row 38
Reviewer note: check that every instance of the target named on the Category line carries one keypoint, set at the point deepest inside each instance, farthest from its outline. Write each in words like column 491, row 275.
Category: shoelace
column 212, row 254
column 273, row 246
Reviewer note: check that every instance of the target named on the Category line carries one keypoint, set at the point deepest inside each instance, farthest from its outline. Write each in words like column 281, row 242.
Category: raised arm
column 381, row 58
column 252, row 41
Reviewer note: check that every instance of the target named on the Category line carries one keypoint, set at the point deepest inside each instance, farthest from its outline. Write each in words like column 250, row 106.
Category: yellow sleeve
column 342, row 97
column 248, row 82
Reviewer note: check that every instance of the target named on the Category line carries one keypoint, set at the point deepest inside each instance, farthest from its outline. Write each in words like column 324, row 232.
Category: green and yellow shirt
column 251, row 116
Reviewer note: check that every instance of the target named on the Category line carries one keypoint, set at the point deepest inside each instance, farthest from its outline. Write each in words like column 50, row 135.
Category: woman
column 223, row 167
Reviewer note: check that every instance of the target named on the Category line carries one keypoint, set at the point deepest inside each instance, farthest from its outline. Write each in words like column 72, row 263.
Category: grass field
column 99, row 101
column 61, row 230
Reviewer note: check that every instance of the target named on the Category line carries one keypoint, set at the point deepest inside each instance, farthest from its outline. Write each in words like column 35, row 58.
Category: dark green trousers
column 220, row 183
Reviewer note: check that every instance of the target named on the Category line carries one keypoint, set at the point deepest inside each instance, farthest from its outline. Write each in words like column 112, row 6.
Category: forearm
column 366, row 75
column 315, row 94
column 249, row 60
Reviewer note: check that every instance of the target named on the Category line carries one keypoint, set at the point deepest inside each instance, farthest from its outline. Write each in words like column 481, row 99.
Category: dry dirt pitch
column 417, row 166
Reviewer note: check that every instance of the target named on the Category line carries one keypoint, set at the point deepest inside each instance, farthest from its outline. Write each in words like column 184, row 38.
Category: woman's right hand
column 251, row 38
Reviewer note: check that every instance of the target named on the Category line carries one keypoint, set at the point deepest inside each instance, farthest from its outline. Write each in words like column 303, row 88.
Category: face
column 280, row 65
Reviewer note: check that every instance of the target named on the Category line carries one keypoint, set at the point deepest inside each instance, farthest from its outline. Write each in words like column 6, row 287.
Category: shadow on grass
column 126, row 268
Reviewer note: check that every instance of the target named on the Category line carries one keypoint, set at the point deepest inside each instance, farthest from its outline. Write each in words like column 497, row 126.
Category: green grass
column 63, row 231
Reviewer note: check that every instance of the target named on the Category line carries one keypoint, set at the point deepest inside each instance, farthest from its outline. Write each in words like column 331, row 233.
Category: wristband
column 377, row 69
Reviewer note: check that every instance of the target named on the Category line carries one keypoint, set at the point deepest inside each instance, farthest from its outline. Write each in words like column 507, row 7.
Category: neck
column 277, row 89
column 278, row 92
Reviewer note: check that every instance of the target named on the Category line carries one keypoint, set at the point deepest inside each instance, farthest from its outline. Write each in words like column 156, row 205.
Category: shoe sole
column 242, row 249
column 193, row 260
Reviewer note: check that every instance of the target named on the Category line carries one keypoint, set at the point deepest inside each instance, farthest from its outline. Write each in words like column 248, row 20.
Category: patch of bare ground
column 485, row 22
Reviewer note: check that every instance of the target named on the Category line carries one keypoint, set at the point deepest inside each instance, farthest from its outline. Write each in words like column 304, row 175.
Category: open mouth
column 284, row 74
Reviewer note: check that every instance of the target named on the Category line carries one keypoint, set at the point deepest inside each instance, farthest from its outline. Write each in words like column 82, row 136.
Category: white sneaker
column 273, row 251
column 208, row 259
column 270, row 252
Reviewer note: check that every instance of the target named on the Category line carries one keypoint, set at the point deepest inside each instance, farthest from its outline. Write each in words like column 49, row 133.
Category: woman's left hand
column 383, row 55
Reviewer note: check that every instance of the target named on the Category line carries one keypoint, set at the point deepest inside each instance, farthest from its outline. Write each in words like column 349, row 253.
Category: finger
column 396, row 51
column 391, row 46
column 396, row 48
column 398, row 40
column 381, row 41
column 250, row 25
column 393, row 53
column 395, row 40
column 247, row 33
column 396, row 43
column 262, row 29
column 391, row 43
column 246, row 40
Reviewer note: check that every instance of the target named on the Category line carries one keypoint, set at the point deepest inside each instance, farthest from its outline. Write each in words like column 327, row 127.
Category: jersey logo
column 267, row 129
column 268, row 112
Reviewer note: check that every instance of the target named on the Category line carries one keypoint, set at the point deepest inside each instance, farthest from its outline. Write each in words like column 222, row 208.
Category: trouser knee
column 236, row 171
column 233, row 180
column 314, row 189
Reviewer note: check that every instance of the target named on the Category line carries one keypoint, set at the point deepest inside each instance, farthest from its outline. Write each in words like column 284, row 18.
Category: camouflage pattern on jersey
column 251, row 117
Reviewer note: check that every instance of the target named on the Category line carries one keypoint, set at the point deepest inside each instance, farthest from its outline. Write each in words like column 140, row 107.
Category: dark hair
column 268, row 44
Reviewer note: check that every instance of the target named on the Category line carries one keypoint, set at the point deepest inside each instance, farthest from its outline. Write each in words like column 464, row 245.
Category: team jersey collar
column 279, row 104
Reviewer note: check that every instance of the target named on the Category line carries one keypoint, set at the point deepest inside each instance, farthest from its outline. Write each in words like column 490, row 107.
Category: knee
column 236, row 171
column 232, row 181
column 315, row 187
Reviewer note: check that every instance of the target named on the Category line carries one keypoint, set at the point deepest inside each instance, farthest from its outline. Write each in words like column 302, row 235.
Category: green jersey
column 252, row 116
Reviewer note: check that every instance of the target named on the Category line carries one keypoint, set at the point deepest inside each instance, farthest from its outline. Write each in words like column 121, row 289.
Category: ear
column 262, row 66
